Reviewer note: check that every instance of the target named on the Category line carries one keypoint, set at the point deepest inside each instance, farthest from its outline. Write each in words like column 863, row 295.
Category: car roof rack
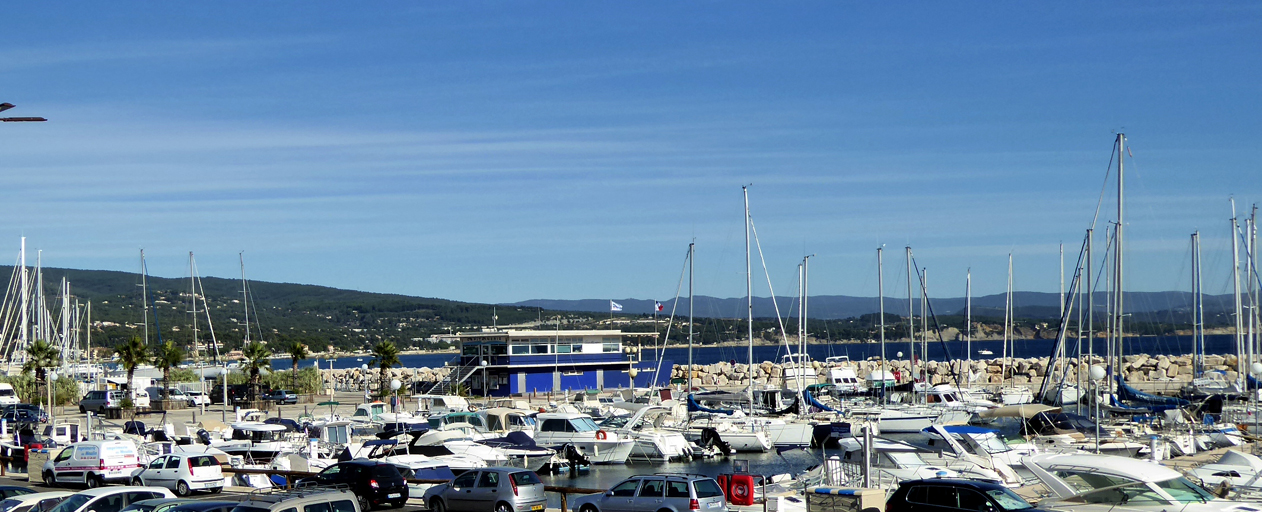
column 668, row 473
column 274, row 494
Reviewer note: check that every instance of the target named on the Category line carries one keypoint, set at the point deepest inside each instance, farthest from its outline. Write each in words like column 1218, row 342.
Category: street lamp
column 7, row 106
column 364, row 367
column 1256, row 370
column 486, row 384
column 394, row 387
column 1096, row 373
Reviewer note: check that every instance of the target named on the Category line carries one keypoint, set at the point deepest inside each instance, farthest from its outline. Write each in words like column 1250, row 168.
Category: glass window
column 489, row 479
column 521, row 349
column 538, row 349
column 526, row 478
column 1008, row 500
column 65, row 454
column 942, row 496
column 583, row 424
column 652, row 488
column 1184, row 491
column 465, row 480
column 972, row 500
column 563, row 349
column 108, row 503
column 173, row 462
column 290, row 510
column 676, row 489
column 493, row 423
column 72, row 503
column 707, row 488
column 625, row 489
column 554, row 425
column 917, row 494
column 20, row 509
column 316, row 507
column 610, row 347
column 499, row 350
column 343, row 506
column 469, row 350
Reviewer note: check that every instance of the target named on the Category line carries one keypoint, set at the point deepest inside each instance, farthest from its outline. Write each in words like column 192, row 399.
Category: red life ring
column 742, row 490
column 601, row 435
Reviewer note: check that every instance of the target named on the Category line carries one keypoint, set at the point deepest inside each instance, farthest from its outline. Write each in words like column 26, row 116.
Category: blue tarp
column 815, row 403
column 1156, row 403
column 693, row 406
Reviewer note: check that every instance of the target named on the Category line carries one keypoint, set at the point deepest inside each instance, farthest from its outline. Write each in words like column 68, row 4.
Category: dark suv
column 954, row 495
column 374, row 483
column 237, row 393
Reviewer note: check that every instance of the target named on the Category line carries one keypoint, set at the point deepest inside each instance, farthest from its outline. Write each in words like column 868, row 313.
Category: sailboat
column 1010, row 394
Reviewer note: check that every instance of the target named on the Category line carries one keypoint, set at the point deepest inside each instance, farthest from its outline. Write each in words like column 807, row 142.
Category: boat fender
column 601, row 435
column 742, row 490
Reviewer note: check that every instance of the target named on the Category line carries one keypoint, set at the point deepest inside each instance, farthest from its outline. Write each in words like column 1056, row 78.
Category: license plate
column 394, row 495
column 714, row 505
column 536, row 507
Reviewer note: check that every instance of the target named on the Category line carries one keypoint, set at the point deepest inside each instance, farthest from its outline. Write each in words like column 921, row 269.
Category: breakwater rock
column 1135, row 368
column 354, row 377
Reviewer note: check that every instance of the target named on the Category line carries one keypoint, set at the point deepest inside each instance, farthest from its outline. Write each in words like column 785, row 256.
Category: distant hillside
column 1033, row 305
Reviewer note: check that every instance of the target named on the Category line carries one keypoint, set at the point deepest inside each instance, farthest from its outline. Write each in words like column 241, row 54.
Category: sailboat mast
column 1235, row 284
column 924, row 323
column 880, row 298
column 24, row 341
column 690, row 255
column 968, row 319
column 806, row 288
column 192, row 292
column 911, row 319
column 245, row 299
column 1090, row 299
column 1007, row 320
column 749, row 301
column 144, row 294
column 1117, row 258
column 1198, row 312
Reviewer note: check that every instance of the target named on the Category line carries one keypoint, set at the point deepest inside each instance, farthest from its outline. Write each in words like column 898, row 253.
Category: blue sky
column 496, row 152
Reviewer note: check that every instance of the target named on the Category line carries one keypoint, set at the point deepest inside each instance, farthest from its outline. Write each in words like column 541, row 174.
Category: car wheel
column 216, row 490
column 399, row 504
column 49, row 480
column 91, row 481
column 436, row 505
column 588, row 508
column 503, row 507
column 181, row 489
column 364, row 504
column 82, row 410
column 138, row 482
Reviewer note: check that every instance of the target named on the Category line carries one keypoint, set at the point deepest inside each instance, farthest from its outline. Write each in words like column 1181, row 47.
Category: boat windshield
column 1135, row 494
column 1008, row 500
column 992, row 444
column 584, row 424
column 906, row 459
column 615, row 422
column 1184, row 491
column 1083, row 481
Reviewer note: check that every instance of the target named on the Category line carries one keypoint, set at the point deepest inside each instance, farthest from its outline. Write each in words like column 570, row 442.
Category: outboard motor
column 710, row 438
column 203, row 436
column 574, row 458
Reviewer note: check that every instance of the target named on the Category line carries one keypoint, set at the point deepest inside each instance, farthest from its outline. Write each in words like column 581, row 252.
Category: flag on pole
column 658, row 306
column 614, row 306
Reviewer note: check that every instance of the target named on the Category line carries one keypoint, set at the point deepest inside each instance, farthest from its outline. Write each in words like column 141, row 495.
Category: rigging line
column 1105, row 187
column 1062, row 329
column 209, row 325
column 774, row 304
column 936, row 327
column 669, row 323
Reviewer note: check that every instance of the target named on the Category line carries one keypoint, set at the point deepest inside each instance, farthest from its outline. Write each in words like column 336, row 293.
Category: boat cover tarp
column 516, row 439
column 960, row 429
column 1235, row 458
column 1026, row 411
column 1156, row 403
column 815, row 403
column 693, row 406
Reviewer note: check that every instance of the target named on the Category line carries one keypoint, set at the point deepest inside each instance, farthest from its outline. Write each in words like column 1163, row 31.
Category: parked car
column 24, row 413
column 301, row 498
column 182, row 473
column 9, row 491
column 203, row 506
column 196, row 398
column 494, row 489
column 7, row 395
column 93, row 463
column 282, row 396
column 237, row 393
column 373, row 482
column 177, row 394
column 99, row 401
column 33, row 501
column 109, row 499
column 953, row 495
column 155, row 505
column 676, row 493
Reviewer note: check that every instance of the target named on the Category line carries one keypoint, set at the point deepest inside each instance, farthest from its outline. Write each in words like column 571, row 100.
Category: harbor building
column 510, row 362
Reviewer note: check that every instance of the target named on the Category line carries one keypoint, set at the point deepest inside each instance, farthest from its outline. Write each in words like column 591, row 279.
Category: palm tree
column 131, row 354
column 256, row 357
column 385, row 356
column 41, row 356
column 166, row 356
column 297, row 352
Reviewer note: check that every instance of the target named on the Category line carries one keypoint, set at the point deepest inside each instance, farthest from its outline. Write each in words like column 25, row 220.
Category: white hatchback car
column 182, row 473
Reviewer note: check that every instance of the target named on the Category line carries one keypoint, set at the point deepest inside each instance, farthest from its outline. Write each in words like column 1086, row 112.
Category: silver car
column 495, row 489
column 664, row 492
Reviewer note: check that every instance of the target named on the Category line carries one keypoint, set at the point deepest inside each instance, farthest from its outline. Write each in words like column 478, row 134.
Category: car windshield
column 71, row 504
column 7, row 505
column 1008, row 500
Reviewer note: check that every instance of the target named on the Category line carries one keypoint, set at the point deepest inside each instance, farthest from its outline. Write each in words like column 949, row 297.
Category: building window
column 611, row 347
column 577, row 349
column 471, row 350
column 538, row 349
column 521, row 349
column 563, row 349
column 499, row 350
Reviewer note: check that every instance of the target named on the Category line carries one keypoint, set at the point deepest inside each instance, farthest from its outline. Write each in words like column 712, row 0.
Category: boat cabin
column 258, row 432
column 501, row 419
column 367, row 413
column 439, row 421
column 565, row 423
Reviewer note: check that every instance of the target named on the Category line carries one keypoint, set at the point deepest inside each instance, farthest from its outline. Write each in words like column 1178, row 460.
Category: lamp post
column 364, row 367
column 394, row 388
column 7, row 106
column 1097, row 374
column 486, row 384
column 49, row 380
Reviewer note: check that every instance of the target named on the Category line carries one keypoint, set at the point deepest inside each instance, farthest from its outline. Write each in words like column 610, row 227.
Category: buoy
column 742, row 490
column 601, row 435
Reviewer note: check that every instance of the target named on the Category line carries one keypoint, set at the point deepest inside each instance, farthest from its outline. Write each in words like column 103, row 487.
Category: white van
column 7, row 395
column 141, row 399
column 845, row 380
column 93, row 463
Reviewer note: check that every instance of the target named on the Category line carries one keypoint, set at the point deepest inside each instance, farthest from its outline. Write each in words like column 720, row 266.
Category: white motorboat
column 984, row 442
column 1237, row 470
column 893, row 462
column 255, row 441
column 1106, row 483
column 555, row 429
column 651, row 441
column 968, row 462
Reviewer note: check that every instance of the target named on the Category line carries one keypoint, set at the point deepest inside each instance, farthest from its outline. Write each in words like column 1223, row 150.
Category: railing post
column 564, row 505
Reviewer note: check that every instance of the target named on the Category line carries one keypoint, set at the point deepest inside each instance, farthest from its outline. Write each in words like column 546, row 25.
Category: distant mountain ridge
column 831, row 307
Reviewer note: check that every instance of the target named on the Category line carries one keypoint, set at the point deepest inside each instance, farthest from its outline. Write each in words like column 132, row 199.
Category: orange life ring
column 742, row 490
column 601, row 435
